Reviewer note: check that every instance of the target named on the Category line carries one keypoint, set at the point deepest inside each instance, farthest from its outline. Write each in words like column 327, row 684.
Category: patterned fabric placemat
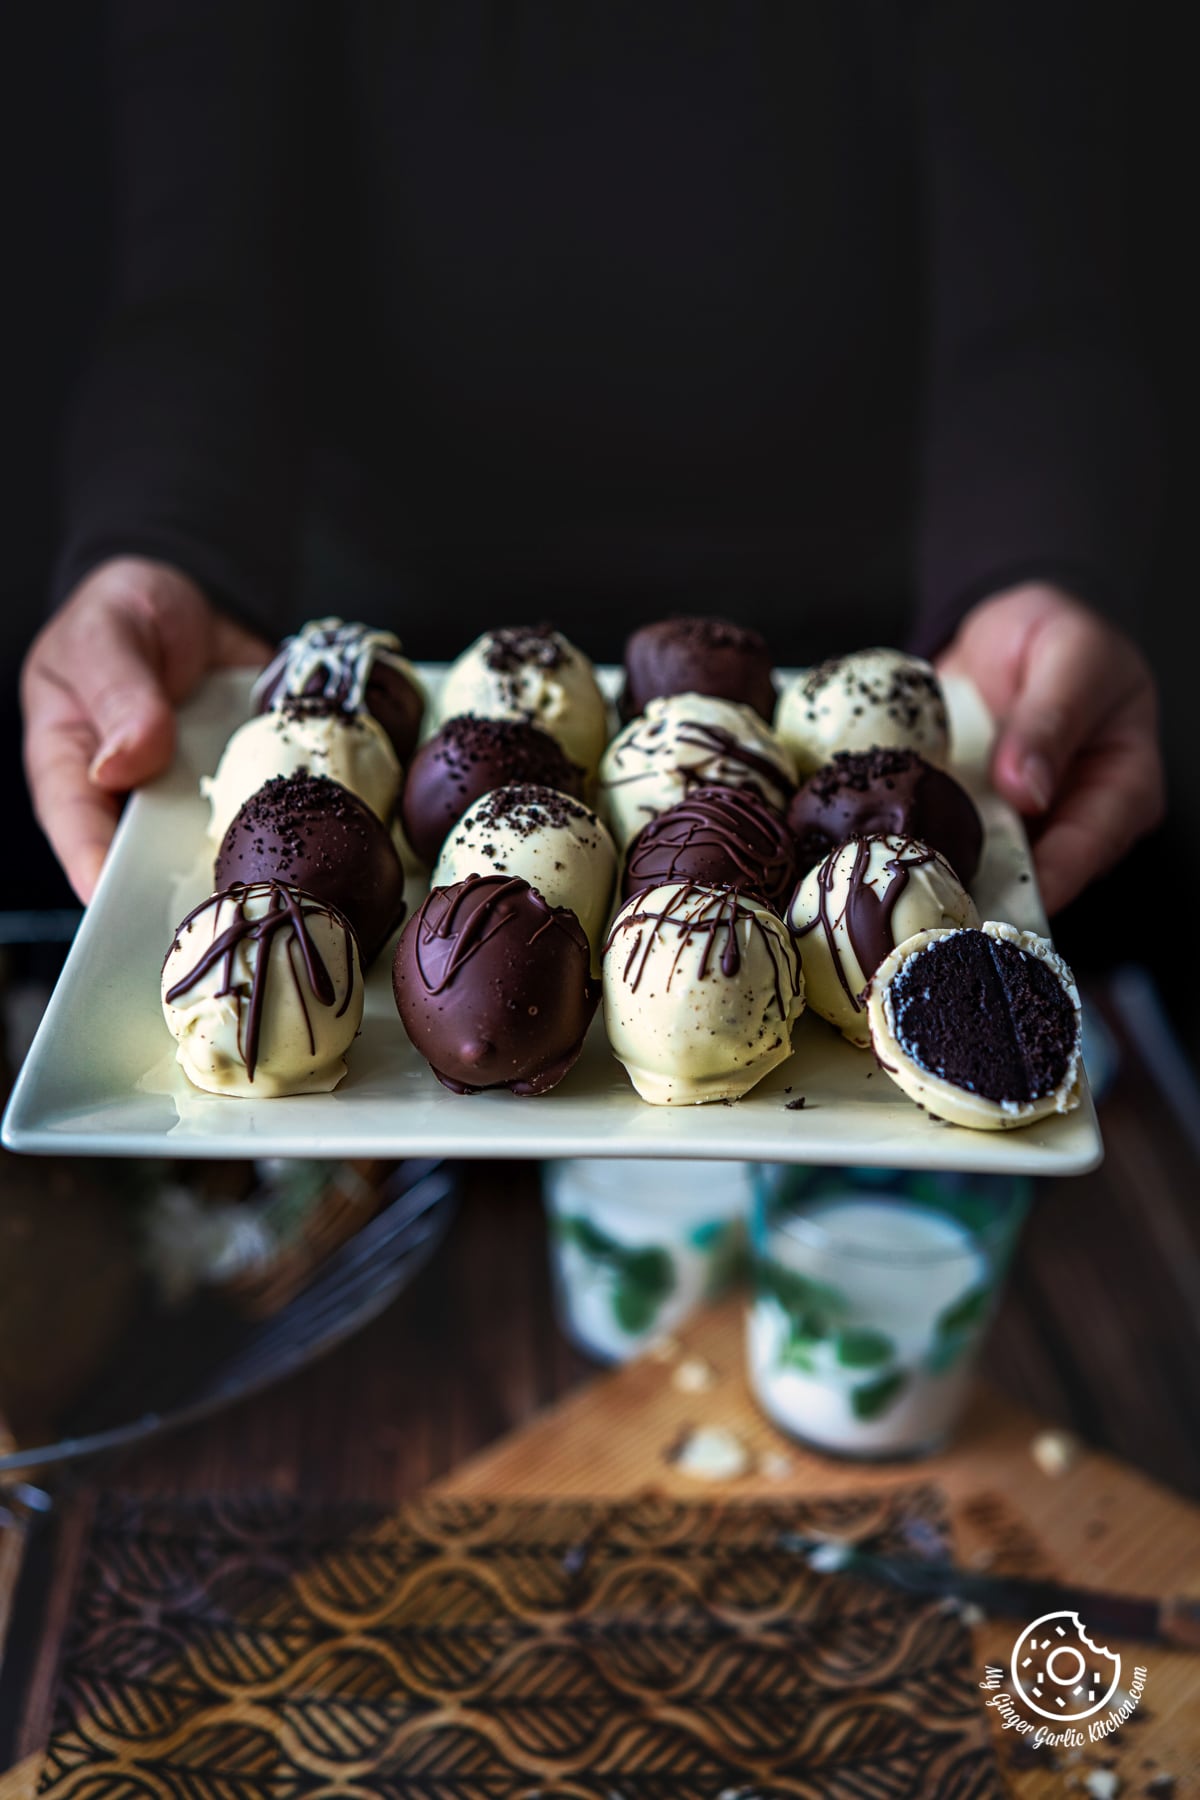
column 648, row 1650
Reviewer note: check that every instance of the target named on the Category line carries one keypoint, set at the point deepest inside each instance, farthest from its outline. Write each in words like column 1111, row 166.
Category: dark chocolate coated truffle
column 697, row 656
column 717, row 837
column 466, row 759
column 353, row 667
column 315, row 835
column 885, row 793
column 494, row 986
column 987, row 1016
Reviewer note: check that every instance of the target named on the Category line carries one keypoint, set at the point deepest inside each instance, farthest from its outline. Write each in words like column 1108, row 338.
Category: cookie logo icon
column 1059, row 1672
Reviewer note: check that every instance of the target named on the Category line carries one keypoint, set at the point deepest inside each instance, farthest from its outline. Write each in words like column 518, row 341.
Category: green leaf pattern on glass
column 642, row 1277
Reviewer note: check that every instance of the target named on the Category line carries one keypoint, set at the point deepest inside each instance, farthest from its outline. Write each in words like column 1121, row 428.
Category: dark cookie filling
column 986, row 1016
column 515, row 647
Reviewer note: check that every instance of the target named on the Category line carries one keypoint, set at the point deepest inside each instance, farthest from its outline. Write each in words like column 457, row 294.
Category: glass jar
column 871, row 1292
column 636, row 1244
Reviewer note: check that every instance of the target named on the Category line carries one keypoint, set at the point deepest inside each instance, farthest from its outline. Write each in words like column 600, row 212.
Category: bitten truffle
column 981, row 1027
column 531, row 672
column 466, row 759
column 310, row 832
column 494, row 986
column 717, row 837
column 885, row 793
column 871, row 698
column 697, row 656
column 262, row 991
column 357, row 668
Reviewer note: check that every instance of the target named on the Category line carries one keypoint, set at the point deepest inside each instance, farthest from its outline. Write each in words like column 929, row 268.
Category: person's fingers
column 1113, row 797
column 78, row 818
column 1076, row 673
column 110, row 658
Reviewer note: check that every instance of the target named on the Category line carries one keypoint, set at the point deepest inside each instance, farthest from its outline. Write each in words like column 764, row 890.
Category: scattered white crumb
column 1102, row 1784
column 776, row 1465
column 1055, row 1452
column 663, row 1349
column 830, row 1557
column 693, row 1376
column 982, row 1559
column 711, row 1453
column 966, row 1610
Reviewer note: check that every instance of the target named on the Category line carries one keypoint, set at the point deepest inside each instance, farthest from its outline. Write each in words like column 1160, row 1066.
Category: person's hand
column 1077, row 728
column 98, row 692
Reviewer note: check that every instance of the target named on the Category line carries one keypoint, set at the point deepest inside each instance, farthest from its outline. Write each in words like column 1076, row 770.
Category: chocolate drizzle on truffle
column 987, row 1016
column 706, row 918
column 717, row 837
column 866, row 912
column 885, row 793
column 494, row 986
column 465, row 760
column 287, row 911
column 355, row 668
column 727, row 761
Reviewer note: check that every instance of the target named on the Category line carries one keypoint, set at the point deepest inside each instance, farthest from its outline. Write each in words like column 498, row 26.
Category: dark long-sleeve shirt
column 619, row 307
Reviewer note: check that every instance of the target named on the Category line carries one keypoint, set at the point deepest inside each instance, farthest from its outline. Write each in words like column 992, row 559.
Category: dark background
column 50, row 293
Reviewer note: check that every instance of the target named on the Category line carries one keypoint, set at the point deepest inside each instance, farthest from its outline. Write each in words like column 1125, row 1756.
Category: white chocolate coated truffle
column 702, row 988
column 871, row 698
column 262, row 990
column 973, row 1033
column 851, row 911
column 530, row 672
column 352, row 749
column 552, row 841
column 686, row 741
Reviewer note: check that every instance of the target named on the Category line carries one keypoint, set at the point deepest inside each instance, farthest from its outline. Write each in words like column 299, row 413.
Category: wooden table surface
column 1099, row 1330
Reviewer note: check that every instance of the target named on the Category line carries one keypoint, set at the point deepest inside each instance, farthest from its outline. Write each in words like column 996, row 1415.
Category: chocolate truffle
column 465, row 760
column 718, row 837
column 494, row 986
column 885, row 793
column 697, row 656
column 683, row 742
column 310, row 735
column 314, row 834
column 702, row 987
column 852, row 910
column 531, row 672
column 873, row 697
column 981, row 1027
column 263, row 993
column 552, row 841
column 357, row 668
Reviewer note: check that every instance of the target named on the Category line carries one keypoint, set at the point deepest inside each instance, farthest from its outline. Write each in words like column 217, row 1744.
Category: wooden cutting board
column 1100, row 1524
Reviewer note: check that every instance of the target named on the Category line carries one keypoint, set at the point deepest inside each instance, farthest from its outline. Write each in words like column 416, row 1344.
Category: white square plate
column 101, row 1079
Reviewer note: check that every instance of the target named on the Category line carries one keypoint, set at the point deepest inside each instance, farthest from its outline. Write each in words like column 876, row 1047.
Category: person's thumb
column 1068, row 681
column 118, row 680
